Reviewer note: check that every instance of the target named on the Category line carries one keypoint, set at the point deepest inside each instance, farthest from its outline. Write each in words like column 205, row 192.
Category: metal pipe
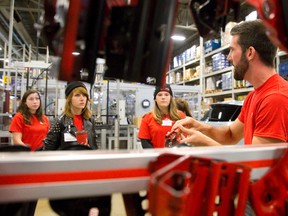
column 24, row 50
column 187, row 27
column 15, row 92
column 10, row 40
column 56, row 100
column 117, row 119
column 107, row 101
column 202, row 68
column 46, row 91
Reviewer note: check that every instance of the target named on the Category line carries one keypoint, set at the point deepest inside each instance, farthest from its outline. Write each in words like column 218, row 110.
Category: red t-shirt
column 151, row 130
column 33, row 134
column 265, row 111
column 78, row 122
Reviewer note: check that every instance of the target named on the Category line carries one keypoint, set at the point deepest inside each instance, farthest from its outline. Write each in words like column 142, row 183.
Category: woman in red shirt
column 29, row 125
column 155, row 124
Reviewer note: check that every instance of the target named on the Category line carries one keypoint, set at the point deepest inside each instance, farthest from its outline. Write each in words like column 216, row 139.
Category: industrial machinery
column 232, row 174
column 219, row 172
column 134, row 36
column 211, row 15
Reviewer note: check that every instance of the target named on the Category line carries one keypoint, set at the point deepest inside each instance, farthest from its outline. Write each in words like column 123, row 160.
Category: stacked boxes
column 247, row 84
column 189, row 74
column 171, row 78
column 219, row 61
column 241, row 84
column 178, row 61
column 198, row 52
column 208, row 69
column 210, row 84
column 178, row 77
column 193, row 52
column 213, row 83
column 227, row 81
column 188, row 55
column 241, row 97
column 197, row 73
column 283, row 70
column 211, row 45
column 225, row 36
column 175, row 62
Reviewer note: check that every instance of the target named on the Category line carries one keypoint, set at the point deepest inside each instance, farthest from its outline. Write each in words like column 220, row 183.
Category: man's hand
column 195, row 138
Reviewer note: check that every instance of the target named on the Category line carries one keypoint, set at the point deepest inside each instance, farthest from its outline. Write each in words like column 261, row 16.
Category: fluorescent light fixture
column 178, row 37
column 252, row 16
column 75, row 53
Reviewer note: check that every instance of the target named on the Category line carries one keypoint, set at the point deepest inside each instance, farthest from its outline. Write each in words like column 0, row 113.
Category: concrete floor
column 118, row 209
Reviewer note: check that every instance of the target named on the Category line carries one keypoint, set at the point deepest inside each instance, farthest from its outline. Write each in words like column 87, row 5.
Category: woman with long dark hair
column 29, row 125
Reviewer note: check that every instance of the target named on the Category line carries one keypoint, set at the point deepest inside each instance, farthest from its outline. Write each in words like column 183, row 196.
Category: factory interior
column 121, row 89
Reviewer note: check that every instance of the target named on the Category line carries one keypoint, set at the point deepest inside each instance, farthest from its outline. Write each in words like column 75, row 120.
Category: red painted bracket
column 269, row 194
column 187, row 185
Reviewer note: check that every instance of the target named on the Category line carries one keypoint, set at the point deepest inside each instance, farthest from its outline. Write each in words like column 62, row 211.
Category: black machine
column 134, row 37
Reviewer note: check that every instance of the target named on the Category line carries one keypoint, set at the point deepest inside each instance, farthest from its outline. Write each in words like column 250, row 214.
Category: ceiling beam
column 25, row 36
column 25, row 9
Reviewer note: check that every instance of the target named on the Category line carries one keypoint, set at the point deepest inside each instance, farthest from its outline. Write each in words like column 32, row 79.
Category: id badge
column 68, row 137
column 167, row 122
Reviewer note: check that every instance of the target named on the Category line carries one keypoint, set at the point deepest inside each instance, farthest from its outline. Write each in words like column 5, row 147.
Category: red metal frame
column 221, row 171
column 274, row 15
column 190, row 185
column 269, row 194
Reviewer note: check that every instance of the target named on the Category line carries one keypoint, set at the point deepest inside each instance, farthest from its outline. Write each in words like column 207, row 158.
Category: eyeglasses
column 32, row 99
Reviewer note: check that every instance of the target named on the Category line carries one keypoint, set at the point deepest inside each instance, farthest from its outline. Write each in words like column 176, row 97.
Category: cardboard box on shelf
column 225, row 36
column 178, row 77
column 189, row 73
column 172, row 78
column 208, row 69
column 210, row 84
column 197, row 72
column 211, row 45
column 241, row 97
column 198, row 52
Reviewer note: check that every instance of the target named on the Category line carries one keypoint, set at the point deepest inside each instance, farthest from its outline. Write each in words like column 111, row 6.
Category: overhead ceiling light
column 252, row 16
column 75, row 53
column 178, row 37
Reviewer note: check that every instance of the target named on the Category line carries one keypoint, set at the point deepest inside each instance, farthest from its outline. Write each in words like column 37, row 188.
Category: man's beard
column 241, row 68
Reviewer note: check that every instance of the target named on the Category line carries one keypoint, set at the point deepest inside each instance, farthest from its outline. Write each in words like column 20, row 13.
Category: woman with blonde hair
column 155, row 124
column 62, row 136
column 76, row 117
